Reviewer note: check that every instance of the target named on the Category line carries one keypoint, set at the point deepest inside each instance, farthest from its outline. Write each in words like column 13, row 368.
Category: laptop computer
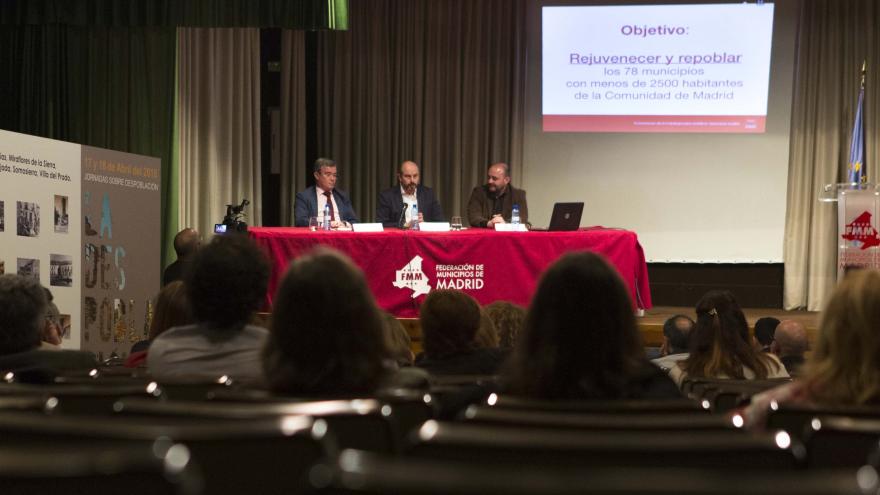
column 566, row 216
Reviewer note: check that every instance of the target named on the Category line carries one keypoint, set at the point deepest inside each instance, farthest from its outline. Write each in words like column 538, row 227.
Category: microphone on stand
column 402, row 220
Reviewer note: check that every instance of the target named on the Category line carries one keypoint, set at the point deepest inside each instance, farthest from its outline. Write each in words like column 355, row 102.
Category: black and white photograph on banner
column 60, row 270
column 65, row 326
column 2, row 216
column 29, row 267
column 27, row 219
column 61, row 218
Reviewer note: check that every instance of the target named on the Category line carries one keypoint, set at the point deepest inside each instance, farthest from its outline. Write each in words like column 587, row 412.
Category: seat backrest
column 628, row 407
column 234, row 456
column 796, row 418
column 483, row 444
column 667, row 421
column 365, row 473
column 354, row 423
column 87, row 469
column 841, row 441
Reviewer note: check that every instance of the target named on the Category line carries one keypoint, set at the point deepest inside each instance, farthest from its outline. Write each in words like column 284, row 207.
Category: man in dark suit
column 390, row 210
column 493, row 202
column 310, row 203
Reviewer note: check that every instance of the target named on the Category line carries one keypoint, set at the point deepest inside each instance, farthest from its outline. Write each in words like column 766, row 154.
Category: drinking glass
column 313, row 223
column 456, row 223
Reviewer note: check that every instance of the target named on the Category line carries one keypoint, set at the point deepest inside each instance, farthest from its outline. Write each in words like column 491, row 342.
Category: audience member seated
column 720, row 345
column 790, row 344
column 23, row 313
column 764, row 330
column 450, row 322
column 171, row 310
column 844, row 368
column 326, row 336
column 487, row 335
column 677, row 332
column 508, row 319
column 580, row 339
column 50, row 339
column 225, row 284
column 186, row 243
column 397, row 340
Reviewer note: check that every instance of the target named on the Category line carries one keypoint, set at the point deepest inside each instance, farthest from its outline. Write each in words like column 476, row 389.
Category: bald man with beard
column 395, row 205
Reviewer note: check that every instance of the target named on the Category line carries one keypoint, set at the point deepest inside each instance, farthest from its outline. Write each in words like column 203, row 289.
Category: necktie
column 329, row 196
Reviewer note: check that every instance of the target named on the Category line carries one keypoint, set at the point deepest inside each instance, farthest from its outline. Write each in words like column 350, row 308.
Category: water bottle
column 414, row 223
column 327, row 216
column 514, row 216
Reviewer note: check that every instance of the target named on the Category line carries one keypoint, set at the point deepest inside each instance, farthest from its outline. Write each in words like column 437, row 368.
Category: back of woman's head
column 845, row 366
column 720, row 340
column 580, row 337
column 508, row 319
column 326, row 335
column 171, row 309
column 450, row 320
column 397, row 340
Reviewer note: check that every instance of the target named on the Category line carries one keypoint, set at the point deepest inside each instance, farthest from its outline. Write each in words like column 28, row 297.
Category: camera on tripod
column 233, row 222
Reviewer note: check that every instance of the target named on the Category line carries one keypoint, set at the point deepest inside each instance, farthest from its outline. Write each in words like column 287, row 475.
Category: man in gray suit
column 310, row 203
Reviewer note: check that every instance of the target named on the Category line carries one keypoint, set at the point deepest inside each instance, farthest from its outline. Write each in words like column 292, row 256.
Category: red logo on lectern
column 861, row 230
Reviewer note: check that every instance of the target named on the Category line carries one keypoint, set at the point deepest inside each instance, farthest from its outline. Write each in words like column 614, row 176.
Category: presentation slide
column 656, row 68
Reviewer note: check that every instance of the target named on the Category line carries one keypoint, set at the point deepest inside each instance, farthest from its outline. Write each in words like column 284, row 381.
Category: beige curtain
column 219, row 112
column 293, row 120
column 441, row 83
column 835, row 36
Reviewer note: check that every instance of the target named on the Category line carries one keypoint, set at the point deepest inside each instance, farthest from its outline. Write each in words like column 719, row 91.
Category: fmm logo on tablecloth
column 861, row 231
column 412, row 277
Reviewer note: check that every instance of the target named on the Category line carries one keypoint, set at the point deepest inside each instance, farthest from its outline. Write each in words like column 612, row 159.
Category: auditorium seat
column 355, row 423
column 366, row 473
column 698, row 387
column 79, row 399
column 695, row 420
column 628, row 407
column 796, row 418
column 87, row 470
column 839, row 441
column 483, row 445
column 724, row 395
column 265, row 455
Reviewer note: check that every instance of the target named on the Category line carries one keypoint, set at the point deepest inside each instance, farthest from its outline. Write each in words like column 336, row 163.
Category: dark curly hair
column 23, row 307
column 227, row 281
column 326, row 336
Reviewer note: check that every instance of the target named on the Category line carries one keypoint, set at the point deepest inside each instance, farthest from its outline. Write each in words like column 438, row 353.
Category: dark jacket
column 390, row 206
column 482, row 201
column 484, row 361
column 306, row 205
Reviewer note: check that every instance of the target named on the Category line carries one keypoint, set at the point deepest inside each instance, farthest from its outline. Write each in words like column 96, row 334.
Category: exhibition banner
column 84, row 222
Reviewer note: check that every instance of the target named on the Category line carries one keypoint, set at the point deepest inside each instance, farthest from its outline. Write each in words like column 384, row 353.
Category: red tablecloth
column 488, row 265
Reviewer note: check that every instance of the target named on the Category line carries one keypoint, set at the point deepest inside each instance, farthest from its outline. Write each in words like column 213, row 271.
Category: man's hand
column 495, row 219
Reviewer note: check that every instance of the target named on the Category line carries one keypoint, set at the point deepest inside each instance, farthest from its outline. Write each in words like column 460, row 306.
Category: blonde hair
column 845, row 367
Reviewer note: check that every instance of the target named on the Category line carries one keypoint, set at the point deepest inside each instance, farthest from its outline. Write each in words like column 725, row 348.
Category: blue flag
column 856, row 170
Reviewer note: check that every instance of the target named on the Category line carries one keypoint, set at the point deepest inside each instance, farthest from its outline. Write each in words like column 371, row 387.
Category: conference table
column 402, row 266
